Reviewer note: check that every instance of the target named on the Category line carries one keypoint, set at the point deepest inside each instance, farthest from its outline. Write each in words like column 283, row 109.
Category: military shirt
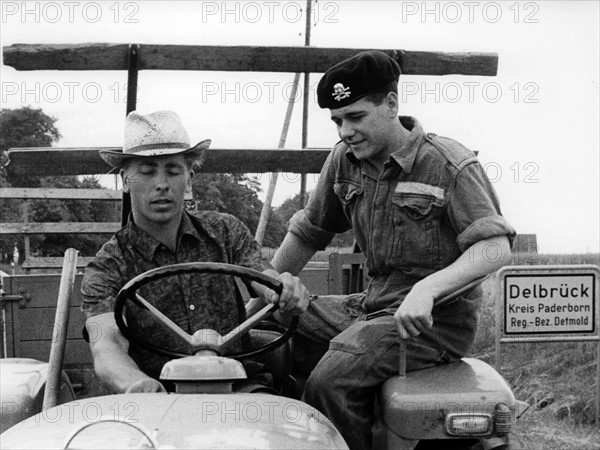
column 193, row 301
column 430, row 203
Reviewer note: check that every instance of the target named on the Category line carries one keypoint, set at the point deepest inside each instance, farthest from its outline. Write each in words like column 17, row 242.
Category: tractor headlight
column 480, row 424
column 469, row 424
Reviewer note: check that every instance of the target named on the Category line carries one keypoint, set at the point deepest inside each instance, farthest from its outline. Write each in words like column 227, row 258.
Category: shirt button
column 192, row 307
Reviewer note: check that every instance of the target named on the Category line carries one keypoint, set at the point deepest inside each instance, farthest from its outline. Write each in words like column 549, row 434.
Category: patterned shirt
column 430, row 203
column 193, row 301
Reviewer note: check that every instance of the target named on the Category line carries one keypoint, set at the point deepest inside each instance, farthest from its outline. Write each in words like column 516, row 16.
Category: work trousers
column 356, row 352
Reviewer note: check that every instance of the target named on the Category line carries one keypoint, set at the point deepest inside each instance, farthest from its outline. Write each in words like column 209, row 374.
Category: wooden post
column 266, row 209
column 303, row 196
column 59, row 334
column 25, row 218
column 132, row 86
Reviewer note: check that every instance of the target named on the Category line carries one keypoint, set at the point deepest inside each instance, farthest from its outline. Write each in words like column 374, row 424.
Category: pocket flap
column 347, row 190
column 417, row 206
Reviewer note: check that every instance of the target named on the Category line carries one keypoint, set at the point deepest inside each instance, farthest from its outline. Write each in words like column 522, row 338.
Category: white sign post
column 549, row 303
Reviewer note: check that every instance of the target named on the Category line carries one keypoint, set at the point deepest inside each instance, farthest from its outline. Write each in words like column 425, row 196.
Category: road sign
column 549, row 300
column 549, row 304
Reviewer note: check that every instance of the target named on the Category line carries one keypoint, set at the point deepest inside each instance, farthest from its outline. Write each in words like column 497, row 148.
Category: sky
column 535, row 124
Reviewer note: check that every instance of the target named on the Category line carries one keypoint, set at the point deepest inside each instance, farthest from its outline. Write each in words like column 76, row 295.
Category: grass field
column 558, row 380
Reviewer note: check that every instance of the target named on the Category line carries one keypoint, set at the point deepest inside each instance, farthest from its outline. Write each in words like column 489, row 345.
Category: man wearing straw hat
column 156, row 168
column 428, row 221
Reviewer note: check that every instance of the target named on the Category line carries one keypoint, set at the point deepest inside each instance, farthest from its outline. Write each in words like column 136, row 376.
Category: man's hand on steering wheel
column 294, row 298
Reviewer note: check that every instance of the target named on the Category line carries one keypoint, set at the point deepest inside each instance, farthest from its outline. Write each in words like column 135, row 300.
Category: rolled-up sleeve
column 316, row 236
column 100, row 285
column 474, row 209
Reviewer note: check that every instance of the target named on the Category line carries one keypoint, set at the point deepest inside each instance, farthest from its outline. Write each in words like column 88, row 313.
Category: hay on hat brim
column 116, row 159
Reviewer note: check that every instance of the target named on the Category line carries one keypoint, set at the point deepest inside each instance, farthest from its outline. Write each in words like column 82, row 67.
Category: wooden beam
column 53, row 262
column 63, row 194
column 101, row 56
column 60, row 228
column 52, row 161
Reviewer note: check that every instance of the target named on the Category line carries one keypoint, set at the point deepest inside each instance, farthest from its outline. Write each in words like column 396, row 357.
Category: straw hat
column 155, row 134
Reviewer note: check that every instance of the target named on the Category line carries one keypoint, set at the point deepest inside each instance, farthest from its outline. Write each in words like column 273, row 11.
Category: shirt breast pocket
column 415, row 230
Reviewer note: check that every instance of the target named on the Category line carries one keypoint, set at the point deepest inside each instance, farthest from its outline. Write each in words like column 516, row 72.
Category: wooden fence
column 135, row 57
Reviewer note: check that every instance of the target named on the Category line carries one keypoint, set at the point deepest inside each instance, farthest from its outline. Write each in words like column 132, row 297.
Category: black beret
column 356, row 77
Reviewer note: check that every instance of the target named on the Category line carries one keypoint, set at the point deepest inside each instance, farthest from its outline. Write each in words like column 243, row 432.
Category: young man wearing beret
column 424, row 214
column 156, row 170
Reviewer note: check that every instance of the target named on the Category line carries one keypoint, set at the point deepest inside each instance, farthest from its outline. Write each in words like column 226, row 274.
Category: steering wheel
column 203, row 339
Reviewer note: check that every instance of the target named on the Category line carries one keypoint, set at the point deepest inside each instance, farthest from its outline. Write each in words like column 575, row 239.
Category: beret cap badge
column 340, row 92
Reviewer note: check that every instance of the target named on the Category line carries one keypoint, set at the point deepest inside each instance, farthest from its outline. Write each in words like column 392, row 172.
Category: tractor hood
column 198, row 421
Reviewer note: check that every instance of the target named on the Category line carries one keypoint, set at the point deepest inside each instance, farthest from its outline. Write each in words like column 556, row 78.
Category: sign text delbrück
column 549, row 303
